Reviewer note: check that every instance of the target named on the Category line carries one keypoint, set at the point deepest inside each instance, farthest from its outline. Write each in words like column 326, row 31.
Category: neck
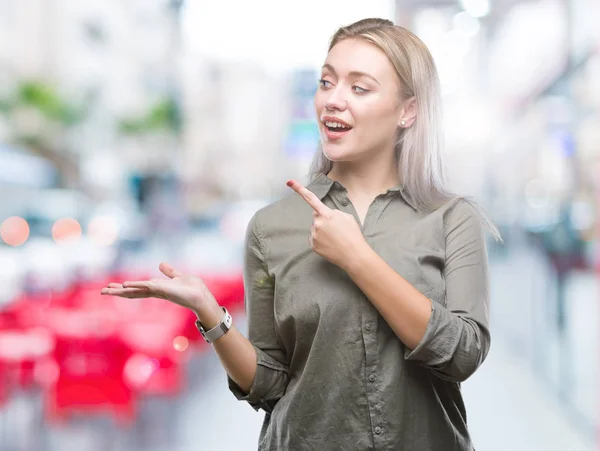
column 366, row 178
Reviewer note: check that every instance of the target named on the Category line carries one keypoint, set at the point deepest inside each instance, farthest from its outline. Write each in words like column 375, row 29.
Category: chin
column 337, row 153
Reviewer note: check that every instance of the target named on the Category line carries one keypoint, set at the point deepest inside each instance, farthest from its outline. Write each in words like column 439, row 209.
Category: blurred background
column 140, row 131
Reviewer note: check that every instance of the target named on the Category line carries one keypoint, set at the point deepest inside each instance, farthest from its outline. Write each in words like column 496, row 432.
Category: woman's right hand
column 185, row 290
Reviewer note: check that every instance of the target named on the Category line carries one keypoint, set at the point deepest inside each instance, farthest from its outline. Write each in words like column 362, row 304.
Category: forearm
column 236, row 353
column 403, row 307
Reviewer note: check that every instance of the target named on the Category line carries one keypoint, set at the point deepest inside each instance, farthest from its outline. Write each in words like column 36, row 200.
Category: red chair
column 91, row 360
column 21, row 349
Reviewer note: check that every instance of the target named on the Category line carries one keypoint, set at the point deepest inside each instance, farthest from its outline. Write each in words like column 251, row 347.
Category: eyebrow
column 353, row 73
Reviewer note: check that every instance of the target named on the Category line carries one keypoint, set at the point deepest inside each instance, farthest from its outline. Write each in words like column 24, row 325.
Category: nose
column 336, row 99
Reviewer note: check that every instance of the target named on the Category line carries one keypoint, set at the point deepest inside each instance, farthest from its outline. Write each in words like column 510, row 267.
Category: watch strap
column 217, row 331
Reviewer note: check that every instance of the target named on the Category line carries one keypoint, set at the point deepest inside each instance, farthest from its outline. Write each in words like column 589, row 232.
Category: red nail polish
column 290, row 183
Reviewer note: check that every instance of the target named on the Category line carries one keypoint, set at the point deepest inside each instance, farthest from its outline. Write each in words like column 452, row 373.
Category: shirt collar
column 320, row 185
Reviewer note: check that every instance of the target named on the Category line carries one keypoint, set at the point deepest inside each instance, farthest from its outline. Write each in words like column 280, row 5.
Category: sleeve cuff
column 255, row 401
column 441, row 338
column 269, row 372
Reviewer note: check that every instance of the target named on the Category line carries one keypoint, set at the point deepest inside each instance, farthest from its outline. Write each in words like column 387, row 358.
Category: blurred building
column 114, row 59
column 235, row 116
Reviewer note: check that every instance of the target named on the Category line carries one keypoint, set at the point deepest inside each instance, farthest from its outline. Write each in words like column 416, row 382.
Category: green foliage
column 163, row 116
column 45, row 99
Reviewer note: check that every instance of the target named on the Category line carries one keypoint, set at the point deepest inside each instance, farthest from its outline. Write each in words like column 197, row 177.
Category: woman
column 367, row 291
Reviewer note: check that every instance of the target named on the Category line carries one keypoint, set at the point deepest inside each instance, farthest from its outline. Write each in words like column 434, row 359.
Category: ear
column 408, row 112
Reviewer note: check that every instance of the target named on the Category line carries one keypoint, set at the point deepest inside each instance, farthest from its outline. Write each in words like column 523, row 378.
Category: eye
column 324, row 83
column 359, row 90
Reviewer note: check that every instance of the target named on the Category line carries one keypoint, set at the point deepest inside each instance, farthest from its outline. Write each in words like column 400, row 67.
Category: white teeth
column 335, row 125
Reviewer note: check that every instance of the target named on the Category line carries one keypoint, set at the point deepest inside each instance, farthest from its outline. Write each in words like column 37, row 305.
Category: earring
column 403, row 122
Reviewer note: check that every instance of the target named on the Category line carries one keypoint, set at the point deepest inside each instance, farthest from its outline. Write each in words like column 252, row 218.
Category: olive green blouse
column 331, row 373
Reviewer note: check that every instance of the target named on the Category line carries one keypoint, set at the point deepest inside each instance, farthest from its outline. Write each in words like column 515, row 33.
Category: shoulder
column 279, row 214
column 460, row 207
column 462, row 213
column 464, row 226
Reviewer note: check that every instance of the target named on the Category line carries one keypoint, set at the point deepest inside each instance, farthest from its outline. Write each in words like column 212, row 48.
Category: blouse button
column 372, row 378
column 378, row 430
column 369, row 327
column 344, row 202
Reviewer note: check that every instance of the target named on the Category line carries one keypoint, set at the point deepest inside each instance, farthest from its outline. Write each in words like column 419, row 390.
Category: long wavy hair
column 419, row 147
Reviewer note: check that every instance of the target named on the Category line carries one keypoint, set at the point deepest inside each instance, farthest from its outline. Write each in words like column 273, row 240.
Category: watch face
column 227, row 321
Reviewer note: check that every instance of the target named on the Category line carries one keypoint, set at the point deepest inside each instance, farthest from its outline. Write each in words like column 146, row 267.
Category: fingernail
column 290, row 183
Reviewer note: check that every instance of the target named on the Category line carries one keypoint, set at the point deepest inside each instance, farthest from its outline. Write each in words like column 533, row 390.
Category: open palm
column 185, row 290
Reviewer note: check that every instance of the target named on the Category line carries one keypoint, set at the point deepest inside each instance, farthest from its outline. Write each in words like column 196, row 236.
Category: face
column 360, row 91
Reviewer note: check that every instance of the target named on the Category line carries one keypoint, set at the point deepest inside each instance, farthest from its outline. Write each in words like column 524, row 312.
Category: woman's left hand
column 335, row 235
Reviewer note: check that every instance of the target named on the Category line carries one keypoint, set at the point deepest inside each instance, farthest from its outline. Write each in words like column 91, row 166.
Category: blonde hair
column 419, row 147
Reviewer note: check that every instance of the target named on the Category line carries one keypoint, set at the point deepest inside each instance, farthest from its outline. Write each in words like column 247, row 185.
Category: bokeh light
column 66, row 230
column 103, row 231
column 180, row 343
column 139, row 368
column 14, row 231
column 476, row 8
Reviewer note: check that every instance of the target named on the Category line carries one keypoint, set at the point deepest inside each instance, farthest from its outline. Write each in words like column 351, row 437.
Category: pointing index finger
column 310, row 198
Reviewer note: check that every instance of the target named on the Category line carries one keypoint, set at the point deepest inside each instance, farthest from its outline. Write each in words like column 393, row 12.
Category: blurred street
column 134, row 132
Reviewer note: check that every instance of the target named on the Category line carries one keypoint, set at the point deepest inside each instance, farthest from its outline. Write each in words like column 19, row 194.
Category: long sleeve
column 271, row 377
column 457, row 338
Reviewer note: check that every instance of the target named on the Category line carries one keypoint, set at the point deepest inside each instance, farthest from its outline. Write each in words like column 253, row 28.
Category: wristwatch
column 217, row 331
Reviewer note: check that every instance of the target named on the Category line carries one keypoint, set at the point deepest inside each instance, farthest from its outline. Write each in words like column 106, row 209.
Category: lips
column 335, row 128
column 334, row 135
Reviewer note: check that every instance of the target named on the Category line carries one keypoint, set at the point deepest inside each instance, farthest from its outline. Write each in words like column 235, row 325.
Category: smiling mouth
column 336, row 127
